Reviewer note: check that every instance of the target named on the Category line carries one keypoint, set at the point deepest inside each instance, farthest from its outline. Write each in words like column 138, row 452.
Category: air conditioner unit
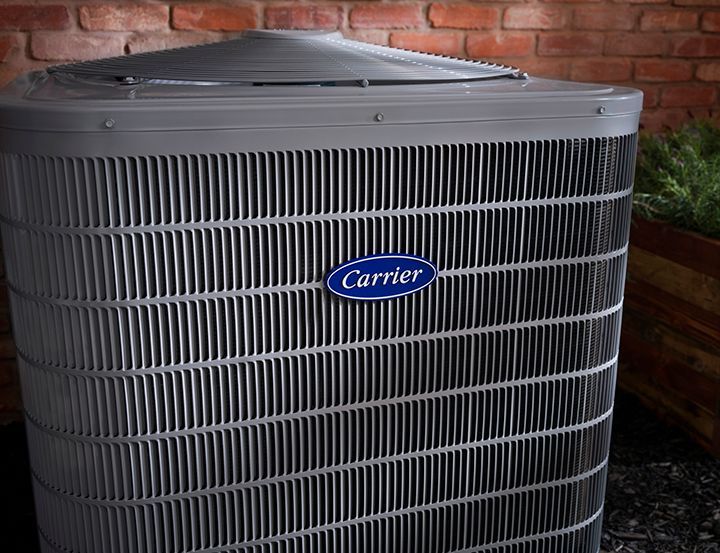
column 297, row 293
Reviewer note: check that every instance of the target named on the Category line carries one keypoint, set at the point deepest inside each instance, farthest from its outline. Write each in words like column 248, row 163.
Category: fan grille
column 265, row 57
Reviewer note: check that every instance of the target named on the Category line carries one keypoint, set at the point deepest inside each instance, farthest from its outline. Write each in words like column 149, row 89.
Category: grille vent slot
column 182, row 361
column 276, row 58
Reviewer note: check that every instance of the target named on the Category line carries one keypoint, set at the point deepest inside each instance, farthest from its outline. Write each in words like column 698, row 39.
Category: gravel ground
column 663, row 491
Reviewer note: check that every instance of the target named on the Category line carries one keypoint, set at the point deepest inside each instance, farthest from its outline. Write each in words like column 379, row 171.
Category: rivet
column 109, row 123
column 602, row 109
column 379, row 117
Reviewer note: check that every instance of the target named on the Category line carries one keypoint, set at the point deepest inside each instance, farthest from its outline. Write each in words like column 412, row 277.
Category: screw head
column 109, row 123
column 379, row 117
column 602, row 109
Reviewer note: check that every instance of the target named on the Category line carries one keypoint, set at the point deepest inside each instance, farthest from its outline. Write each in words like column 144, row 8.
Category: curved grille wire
column 327, row 60
column 190, row 386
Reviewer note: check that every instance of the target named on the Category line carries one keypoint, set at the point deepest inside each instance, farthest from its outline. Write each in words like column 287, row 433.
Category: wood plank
column 690, row 249
column 669, row 373
column 693, row 287
column 693, row 353
column 678, row 410
column 670, row 346
column 673, row 311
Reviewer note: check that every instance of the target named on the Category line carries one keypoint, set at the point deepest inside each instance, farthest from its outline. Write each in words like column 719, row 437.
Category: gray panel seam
column 167, row 367
column 314, row 285
column 340, row 216
column 201, row 430
column 114, row 503
column 492, row 546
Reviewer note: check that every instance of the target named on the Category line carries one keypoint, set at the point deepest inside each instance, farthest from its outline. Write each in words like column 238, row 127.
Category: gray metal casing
column 189, row 384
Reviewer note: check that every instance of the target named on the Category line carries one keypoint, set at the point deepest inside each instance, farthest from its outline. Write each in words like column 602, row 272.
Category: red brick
column 214, row 17
column 651, row 95
column 604, row 19
column 447, row 43
column 664, row 119
column 688, row 96
column 709, row 72
column 386, row 16
column 373, row 36
column 8, row 43
column 16, row 17
column 124, row 17
column 546, row 68
column 536, row 17
column 711, row 22
column 303, row 17
column 54, row 46
column 492, row 45
column 10, row 71
column 571, row 1
column 705, row 113
column 668, row 20
column 601, row 70
column 696, row 47
column 663, row 70
column 463, row 16
column 642, row 1
column 570, row 44
column 635, row 44
column 711, row 3
column 178, row 39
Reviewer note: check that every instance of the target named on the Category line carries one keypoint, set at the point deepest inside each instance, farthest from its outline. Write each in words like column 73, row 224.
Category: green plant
column 678, row 178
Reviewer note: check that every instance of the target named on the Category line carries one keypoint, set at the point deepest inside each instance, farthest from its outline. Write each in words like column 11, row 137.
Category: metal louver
column 278, row 57
column 190, row 386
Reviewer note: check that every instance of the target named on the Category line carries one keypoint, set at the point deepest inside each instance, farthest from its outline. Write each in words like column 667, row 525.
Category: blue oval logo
column 381, row 277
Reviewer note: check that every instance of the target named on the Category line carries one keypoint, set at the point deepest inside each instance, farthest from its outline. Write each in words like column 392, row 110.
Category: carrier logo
column 381, row 277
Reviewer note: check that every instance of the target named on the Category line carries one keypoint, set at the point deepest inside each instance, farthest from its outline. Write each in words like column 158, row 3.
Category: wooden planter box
column 670, row 349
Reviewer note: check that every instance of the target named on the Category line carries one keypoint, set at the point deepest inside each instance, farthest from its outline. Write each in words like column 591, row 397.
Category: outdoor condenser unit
column 296, row 293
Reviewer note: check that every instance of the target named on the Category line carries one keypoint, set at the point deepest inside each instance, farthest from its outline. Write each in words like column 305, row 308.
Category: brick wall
column 669, row 48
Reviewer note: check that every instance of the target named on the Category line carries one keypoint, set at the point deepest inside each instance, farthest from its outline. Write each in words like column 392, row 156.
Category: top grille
column 272, row 57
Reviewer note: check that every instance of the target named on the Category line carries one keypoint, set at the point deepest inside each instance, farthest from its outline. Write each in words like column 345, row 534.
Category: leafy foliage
column 678, row 178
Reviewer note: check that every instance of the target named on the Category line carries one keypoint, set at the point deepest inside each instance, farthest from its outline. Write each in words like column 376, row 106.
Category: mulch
column 663, row 492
